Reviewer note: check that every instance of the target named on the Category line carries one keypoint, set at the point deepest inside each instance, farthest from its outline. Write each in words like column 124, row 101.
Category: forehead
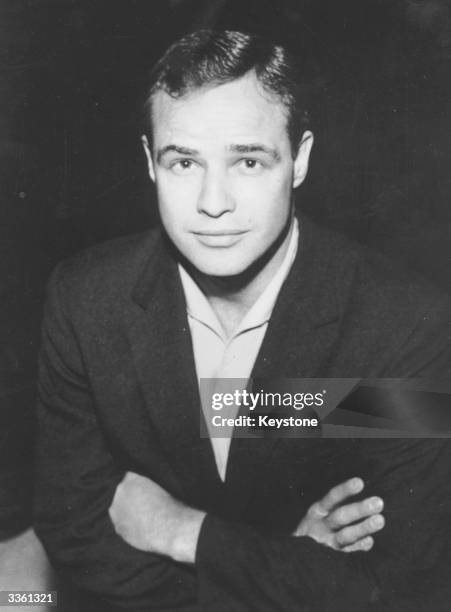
column 239, row 111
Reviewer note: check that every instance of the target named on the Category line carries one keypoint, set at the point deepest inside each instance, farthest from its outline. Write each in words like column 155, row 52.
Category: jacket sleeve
column 76, row 477
column 243, row 569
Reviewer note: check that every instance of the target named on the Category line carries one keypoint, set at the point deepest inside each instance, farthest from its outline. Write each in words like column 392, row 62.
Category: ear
column 148, row 153
column 302, row 159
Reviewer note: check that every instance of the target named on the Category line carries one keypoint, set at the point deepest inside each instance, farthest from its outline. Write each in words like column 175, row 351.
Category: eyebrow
column 235, row 148
column 255, row 148
column 175, row 149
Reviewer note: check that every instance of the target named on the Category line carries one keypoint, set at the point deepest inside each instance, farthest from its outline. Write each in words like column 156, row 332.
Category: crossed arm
column 150, row 519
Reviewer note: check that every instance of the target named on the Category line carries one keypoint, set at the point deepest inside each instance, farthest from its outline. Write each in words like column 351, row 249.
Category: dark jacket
column 118, row 392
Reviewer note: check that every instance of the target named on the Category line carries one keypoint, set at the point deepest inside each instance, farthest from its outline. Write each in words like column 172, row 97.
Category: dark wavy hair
column 207, row 58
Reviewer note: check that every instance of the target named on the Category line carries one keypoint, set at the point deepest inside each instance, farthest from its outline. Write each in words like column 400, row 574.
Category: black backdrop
column 72, row 173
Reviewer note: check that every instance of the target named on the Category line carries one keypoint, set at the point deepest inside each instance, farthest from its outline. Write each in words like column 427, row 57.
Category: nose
column 215, row 197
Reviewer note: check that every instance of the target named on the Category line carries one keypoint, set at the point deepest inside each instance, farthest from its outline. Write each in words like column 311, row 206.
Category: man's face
column 224, row 171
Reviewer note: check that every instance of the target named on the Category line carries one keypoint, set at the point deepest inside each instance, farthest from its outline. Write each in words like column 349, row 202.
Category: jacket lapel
column 297, row 344
column 163, row 356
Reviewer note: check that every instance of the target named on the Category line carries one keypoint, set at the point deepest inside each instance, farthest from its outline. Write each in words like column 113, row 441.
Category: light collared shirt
column 219, row 357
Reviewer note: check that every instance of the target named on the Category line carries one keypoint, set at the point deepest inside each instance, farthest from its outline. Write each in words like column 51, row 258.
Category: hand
column 148, row 518
column 349, row 527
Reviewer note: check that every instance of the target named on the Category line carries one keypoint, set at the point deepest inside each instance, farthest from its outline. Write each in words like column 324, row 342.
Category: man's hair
column 207, row 58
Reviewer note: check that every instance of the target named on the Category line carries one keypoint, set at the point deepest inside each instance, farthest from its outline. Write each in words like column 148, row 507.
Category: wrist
column 185, row 535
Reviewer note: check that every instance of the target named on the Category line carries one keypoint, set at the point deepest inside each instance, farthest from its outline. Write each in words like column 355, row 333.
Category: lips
column 224, row 232
column 219, row 238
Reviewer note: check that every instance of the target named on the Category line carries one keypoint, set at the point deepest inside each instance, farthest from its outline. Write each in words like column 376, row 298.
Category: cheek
column 267, row 202
column 174, row 199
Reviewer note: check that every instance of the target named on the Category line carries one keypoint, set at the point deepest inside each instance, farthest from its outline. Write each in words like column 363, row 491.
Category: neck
column 232, row 296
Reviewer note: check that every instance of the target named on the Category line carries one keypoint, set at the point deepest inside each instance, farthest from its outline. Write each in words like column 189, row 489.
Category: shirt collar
column 197, row 305
column 199, row 308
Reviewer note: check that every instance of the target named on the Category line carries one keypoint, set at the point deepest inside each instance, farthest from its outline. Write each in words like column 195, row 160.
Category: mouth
column 219, row 238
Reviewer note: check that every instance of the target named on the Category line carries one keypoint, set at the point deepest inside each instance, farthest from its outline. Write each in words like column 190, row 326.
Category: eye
column 250, row 165
column 183, row 166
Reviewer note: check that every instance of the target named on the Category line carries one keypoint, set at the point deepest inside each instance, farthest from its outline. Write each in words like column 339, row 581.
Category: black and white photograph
column 225, row 305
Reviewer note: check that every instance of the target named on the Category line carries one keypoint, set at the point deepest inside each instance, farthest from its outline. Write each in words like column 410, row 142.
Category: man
column 132, row 503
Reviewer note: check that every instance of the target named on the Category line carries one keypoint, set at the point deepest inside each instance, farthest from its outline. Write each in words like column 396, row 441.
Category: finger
column 337, row 495
column 354, row 533
column 351, row 513
column 360, row 546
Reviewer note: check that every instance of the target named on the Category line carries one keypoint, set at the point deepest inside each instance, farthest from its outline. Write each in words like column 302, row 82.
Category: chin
column 220, row 263
column 223, row 271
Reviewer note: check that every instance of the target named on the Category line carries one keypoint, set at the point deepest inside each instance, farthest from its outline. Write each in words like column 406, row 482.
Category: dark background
column 72, row 172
